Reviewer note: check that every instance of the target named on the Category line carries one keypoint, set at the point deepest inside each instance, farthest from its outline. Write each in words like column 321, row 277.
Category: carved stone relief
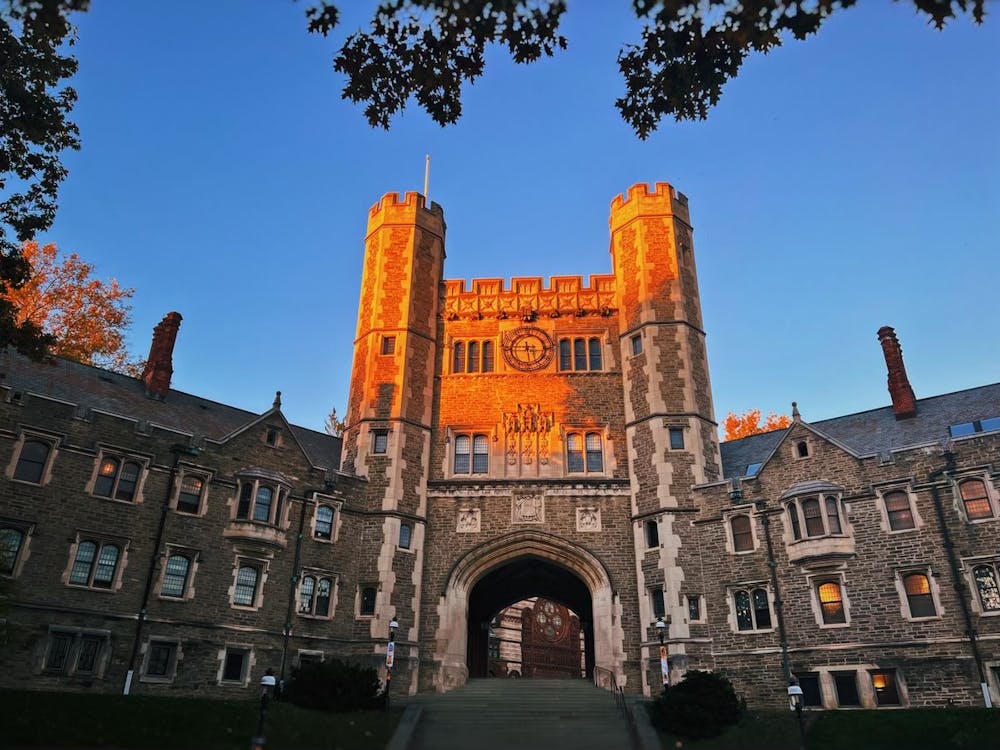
column 528, row 509
column 527, row 431
column 588, row 519
column 469, row 521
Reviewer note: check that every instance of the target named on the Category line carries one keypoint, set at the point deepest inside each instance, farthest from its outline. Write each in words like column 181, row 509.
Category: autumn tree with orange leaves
column 86, row 317
column 748, row 423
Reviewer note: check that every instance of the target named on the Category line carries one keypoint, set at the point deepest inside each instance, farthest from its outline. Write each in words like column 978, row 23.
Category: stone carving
column 588, row 519
column 527, row 434
column 528, row 509
column 469, row 521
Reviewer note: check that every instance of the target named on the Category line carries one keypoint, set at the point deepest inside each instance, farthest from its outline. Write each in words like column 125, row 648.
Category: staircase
column 511, row 714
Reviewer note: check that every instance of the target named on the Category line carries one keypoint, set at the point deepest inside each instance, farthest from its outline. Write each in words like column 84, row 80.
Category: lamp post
column 390, row 658
column 661, row 629
column 267, row 683
column 795, row 704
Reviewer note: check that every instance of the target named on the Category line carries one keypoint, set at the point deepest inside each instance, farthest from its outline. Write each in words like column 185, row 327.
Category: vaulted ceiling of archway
column 522, row 579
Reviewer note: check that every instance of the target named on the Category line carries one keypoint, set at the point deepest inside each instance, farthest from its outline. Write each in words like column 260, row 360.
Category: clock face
column 527, row 348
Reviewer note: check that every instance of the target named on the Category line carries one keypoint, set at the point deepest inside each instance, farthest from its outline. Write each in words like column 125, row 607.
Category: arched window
column 259, row 502
column 753, row 611
column 31, row 463
column 322, row 605
column 480, row 454
column 594, row 346
column 898, row 510
column 458, row 357
column 314, row 596
column 487, row 356
column 306, row 592
column 793, row 516
column 189, row 496
column 95, row 565
column 595, row 455
column 818, row 516
column 584, row 452
column 833, row 525
column 10, row 546
column 579, row 355
column 117, row 479
column 976, row 499
column 987, row 586
column 175, row 576
column 813, row 517
column 462, row 448
column 918, row 595
column 473, row 356
column 245, row 592
column 831, row 602
column 246, row 493
column 262, row 506
column 742, row 533
column 323, row 528
column 574, row 452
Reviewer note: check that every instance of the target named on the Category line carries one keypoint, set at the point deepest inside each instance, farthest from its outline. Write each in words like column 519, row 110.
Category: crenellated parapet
column 409, row 209
column 529, row 297
column 640, row 201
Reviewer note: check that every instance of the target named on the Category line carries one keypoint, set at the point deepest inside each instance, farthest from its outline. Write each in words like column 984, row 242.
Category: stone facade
column 505, row 440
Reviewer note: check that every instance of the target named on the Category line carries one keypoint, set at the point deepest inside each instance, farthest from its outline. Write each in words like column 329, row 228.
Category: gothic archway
column 513, row 567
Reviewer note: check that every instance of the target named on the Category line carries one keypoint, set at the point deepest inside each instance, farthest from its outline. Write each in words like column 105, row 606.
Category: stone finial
column 160, row 364
column 276, row 404
column 796, row 417
column 904, row 403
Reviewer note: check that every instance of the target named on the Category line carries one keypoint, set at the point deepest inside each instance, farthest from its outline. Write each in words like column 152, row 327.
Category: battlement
column 406, row 208
column 639, row 200
column 529, row 296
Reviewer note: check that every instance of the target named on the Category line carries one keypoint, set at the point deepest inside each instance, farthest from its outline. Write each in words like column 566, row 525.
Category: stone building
column 505, row 440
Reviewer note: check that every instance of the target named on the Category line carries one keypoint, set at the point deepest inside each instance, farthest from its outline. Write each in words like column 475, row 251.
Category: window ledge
column 257, row 531
column 820, row 548
column 929, row 618
column 307, row 616
column 96, row 590
column 754, row 632
column 117, row 501
column 833, row 626
column 152, row 680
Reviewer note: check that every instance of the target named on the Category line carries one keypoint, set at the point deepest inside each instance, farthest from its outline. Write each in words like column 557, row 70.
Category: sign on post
column 390, row 654
column 664, row 664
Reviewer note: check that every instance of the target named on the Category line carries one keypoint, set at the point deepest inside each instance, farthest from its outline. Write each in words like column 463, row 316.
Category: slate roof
column 869, row 433
column 94, row 388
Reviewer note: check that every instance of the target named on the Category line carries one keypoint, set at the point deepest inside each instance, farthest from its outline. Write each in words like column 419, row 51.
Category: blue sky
column 843, row 183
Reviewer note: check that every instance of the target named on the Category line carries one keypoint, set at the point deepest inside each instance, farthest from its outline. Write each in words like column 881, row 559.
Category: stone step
column 499, row 714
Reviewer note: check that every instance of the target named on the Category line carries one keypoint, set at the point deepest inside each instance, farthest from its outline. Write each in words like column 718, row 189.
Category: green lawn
column 87, row 720
column 910, row 729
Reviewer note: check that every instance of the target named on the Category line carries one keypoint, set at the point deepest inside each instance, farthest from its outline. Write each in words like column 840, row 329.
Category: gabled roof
column 869, row 433
column 102, row 390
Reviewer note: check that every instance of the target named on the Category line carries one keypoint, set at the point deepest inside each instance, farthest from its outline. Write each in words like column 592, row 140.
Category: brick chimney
column 904, row 403
column 160, row 365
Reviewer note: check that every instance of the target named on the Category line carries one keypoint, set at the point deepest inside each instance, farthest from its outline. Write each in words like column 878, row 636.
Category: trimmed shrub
column 703, row 704
column 334, row 685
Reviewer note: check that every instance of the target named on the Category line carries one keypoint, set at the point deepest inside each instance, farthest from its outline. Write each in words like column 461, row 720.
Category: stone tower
column 387, row 437
column 670, row 424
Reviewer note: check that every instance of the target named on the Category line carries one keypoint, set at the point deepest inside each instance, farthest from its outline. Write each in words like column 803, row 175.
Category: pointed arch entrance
column 511, row 568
